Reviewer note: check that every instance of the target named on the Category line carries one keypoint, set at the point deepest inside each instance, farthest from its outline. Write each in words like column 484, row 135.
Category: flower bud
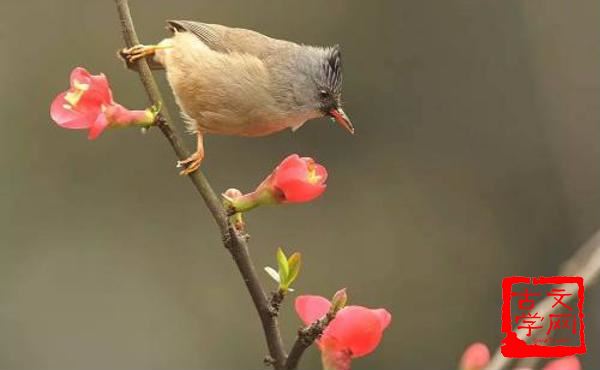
column 339, row 300
column 236, row 218
column 232, row 193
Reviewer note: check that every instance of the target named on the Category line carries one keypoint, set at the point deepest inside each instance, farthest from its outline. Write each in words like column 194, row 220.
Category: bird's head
column 329, row 86
column 318, row 87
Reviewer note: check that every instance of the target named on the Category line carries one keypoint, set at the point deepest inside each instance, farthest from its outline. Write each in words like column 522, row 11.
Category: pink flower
column 295, row 180
column 355, row 332
column 298, row 179
column 566, row 363
column 475, row 357
column 88, row 104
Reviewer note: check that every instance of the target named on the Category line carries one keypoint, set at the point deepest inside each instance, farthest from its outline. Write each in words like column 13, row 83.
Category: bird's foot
column 132, row 54
column 191, row 164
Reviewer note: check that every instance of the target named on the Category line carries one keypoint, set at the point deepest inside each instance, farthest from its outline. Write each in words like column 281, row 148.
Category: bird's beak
column 341, row 118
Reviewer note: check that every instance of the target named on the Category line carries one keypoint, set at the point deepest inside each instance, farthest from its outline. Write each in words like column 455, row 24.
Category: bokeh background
column 476, row 157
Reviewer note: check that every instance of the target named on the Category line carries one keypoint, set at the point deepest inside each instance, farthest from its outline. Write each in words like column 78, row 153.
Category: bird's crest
column 333, row 69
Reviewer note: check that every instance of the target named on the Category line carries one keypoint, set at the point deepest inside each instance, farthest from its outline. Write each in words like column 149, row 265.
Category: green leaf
column 284, row 268
column 294, row 264
column 272, row 273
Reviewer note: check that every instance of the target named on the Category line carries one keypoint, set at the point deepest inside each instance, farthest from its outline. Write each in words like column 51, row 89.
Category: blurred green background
column 476, row 157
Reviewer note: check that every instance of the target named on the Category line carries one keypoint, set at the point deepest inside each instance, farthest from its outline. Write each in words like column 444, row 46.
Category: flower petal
column 100, row 84
column 80, row 75
column 475, row 357
column 291, row 161
column 298, row 191
column 356, row 328
column 65, row 116
column 566, row 363
column 321, row 173
column 97, row 90
column 384, row 317
column 100, row 124
column 311, row 308
column 333, row 357
column 292, row 167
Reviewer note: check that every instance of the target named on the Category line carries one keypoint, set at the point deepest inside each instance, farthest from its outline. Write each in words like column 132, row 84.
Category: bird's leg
column 140, row 51
column 192, row 163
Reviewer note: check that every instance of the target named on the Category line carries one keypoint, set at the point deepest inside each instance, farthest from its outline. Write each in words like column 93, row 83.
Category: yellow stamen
column 74, row 95
column 81, row 86
column 312, row 176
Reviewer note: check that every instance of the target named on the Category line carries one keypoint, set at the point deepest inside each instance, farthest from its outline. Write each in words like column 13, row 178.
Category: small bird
column 233, row 81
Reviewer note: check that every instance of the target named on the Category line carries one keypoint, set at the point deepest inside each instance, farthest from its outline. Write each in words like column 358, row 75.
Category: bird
column 235, row 81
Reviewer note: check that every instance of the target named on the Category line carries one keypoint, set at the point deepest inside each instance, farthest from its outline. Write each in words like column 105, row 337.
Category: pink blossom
column 475, row 357
column 295, row 180
column 88, row 104
column 299, row 179
column 355, row 331
column 566, row 363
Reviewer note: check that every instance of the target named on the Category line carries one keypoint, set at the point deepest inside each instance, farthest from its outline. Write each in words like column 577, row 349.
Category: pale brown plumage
column 234, row 81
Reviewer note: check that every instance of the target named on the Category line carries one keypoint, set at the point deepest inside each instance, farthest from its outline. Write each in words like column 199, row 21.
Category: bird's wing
column 227, row 40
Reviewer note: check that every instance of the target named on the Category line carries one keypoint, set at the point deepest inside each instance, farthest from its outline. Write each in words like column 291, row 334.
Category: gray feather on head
column 333, row 69
column 308, row 78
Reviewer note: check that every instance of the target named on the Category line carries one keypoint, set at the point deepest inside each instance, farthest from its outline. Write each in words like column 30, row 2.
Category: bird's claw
column 137, row 52
column 192, row 163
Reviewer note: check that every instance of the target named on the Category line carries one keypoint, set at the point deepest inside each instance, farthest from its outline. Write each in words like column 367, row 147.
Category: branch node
column 227, row 241
column 230, row 210
column 160, row 120
column 275, row 302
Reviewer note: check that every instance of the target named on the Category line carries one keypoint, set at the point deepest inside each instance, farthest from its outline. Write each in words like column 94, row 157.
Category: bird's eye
column 323, row 94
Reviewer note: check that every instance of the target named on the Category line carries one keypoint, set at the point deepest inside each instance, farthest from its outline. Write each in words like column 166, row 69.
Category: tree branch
column 232, row 240
column 585, row 263
column 239, row 251
column 306, row 337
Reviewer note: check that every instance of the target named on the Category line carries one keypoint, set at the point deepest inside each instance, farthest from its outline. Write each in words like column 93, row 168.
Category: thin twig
column 306, row 337
column 233, row 241
column 585, row 263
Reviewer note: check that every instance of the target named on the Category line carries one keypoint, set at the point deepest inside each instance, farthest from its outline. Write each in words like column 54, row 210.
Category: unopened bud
column 232, row 193
column 339, row 300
